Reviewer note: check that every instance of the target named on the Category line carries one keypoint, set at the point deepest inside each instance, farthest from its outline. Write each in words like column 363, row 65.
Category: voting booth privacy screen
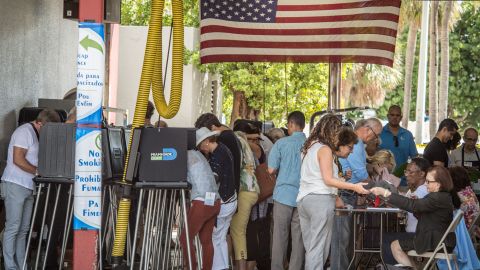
column 56, row 158
column 160, row 155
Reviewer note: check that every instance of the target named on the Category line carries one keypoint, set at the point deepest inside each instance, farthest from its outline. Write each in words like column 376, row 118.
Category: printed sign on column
column 88, row 154
column 90, row 75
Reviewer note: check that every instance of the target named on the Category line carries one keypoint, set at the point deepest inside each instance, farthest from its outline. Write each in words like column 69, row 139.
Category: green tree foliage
column 464, row 92
column 275, row 88
column 395, row 96
column 137, row 12
column 307, row 84
column 262, row 83
column 464, row 80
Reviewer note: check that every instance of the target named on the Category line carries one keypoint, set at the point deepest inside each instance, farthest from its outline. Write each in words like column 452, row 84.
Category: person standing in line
column 17, row 187
column 221, row 162
column 247, row 197
column 366, row 130
column 275, row 134
column 436, row 152
column 228, row 138
column 397, row 139
column 468, row 154
column 205, row 206
column 319, row 181
column 284, row 160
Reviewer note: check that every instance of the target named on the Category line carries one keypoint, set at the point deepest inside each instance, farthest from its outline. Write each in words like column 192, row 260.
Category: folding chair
column 440, row 252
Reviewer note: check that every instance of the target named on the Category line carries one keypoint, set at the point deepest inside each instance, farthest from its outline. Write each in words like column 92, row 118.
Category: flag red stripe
column 297, row 59
column 354, row 17
column 300, row 32
column 376, row 3
column 299, row 45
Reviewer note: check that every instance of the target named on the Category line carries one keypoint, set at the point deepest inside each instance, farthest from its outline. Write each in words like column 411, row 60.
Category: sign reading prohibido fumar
column 88, row 154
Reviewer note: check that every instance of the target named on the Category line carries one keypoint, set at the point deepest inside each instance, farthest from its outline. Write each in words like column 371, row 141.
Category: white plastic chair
column 440, row 252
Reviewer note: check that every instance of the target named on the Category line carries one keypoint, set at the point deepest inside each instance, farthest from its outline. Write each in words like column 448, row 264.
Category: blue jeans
column 18, row 211
column 342, row 241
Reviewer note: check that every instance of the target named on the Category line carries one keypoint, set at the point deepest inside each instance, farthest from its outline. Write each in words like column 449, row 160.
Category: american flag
column 299, row 31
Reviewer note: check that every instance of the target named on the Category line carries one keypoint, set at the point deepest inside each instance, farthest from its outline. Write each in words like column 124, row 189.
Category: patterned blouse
column 469, row 205
column 248, row 181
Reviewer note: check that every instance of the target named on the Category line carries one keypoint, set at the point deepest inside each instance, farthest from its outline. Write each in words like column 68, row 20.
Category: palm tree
column 444, row 62
column 450, row 14
column 433, row 70
column 410, row 13
column 366, row 84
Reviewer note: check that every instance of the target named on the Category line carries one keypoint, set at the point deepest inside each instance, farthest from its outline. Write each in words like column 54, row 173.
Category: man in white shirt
column 17, row 187
column 415, row 173
column 468, row 155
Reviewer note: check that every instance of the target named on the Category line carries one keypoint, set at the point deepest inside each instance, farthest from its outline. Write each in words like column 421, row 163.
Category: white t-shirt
column 412, row 221
column 26, row 138
column 311, row 179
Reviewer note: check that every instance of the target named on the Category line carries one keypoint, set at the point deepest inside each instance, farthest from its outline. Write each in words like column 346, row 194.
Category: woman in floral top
column 247, row 197
column 469, row 202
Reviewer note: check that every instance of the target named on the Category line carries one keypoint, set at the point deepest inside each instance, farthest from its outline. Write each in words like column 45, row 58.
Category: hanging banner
column 88, row 155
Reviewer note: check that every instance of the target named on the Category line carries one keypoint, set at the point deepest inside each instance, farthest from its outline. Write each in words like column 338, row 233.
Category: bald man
column 468, row 155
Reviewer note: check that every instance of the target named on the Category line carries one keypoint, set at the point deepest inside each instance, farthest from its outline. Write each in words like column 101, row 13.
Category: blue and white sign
column 88, row 213
column 88, row 166
column 88, row 154
column 90, row 74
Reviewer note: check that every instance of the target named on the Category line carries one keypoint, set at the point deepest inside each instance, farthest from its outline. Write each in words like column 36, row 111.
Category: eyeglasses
column 428, row 182
column 376, row 135
column 395, row 141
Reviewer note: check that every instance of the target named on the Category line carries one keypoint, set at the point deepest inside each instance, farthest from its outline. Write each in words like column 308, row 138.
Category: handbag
column 265, row 181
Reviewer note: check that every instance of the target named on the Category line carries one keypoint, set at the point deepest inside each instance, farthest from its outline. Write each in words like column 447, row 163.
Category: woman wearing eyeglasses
column 319, row 182
column 434, row 212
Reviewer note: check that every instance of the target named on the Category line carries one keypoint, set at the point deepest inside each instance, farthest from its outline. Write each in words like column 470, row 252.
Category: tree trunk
column 409, row 62
column 444, row 62
column 252, row 114
column 238, row 108
column 432, row 70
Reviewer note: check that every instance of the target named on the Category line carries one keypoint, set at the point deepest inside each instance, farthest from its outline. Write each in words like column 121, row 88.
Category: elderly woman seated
column 434, row 212
column 415, row 172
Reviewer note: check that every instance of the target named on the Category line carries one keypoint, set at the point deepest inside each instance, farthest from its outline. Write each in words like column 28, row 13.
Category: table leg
column 354, row 240
column 381, row 240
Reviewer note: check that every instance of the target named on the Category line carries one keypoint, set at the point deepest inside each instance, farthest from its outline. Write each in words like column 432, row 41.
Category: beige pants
column 238, row 227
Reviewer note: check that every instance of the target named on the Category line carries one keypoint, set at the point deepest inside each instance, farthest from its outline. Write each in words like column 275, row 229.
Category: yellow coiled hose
column 152, row 77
